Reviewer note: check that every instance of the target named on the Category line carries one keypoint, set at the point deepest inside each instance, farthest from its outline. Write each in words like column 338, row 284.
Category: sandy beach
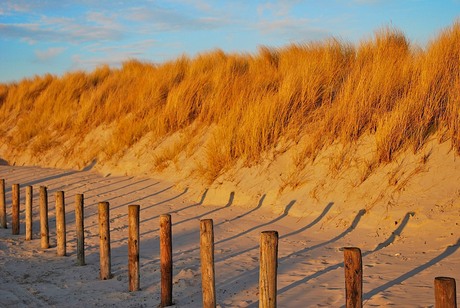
column 400, row 264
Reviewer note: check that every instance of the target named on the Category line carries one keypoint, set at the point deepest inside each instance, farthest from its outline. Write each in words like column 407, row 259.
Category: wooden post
column 133, row 247
column 268, row 269
column 166, row 260
column 15, row 209
column 445, row 292
column 29, row 197
column 2, row 204
column 44, row 230
column 207, row 263
column 79, row 228
column 353, row 277
column 104, row 241
column 60, row 224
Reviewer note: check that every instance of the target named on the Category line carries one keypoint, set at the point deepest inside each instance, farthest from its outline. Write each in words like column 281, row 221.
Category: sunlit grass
column 316, row 94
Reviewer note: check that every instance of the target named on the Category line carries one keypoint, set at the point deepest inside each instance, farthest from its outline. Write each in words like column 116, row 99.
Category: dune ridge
column 316, row 122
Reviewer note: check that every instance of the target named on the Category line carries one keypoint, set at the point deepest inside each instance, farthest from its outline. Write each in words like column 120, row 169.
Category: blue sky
column 55, row 36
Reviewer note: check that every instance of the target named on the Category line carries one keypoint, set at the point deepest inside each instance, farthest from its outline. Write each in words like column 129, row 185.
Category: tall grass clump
column 247, row 105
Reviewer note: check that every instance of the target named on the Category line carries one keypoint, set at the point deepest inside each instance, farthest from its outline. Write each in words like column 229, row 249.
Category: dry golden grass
column 321, row 92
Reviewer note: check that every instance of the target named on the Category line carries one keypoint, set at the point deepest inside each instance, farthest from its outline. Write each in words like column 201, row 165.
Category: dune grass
column 316, row 94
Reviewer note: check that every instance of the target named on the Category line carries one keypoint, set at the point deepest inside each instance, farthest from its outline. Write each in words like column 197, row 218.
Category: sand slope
column 400, row 263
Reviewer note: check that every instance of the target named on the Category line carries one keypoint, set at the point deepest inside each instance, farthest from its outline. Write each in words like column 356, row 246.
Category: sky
column 57, row 36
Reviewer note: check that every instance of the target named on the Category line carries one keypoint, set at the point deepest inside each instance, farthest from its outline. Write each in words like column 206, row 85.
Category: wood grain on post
column 166, row 260
column 3, row 223
column 44, row 230
column 133, row 247
column 268, row 269
column 29, row 197
column 60, row 224
column 80, row 228
column 445, row 292
column 207, row 263
column 104, row 241
column 353, row 277
column 15, row 209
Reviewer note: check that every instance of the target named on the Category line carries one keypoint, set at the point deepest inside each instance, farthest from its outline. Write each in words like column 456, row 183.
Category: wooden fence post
column 166, row 260
column 207, row 263
column 29, row 197
column 353, row 277
column 445, row 292
column 44, row 230
column 15, row 209
column 60, row 224
column 133, row 247
column 80, row 228
column 2, row 204
column 268, row 269
column 104, row 241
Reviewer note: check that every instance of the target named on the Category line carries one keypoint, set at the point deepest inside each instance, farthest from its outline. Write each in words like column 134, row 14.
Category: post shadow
column 50, row 178
column 229, row 203
column 352, row 226
column 311, row 224
column 132, row 202
column 326, row 209
column 341, row 264
column 259, row 205
column 447, row 252
column 393, row 235
column 283, row 215
column 142, row 198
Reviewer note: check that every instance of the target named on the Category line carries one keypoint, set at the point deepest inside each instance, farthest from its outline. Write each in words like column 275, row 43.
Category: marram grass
column 317, row 93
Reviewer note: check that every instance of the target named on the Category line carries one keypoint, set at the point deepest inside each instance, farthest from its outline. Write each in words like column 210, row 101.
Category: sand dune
column 400, row 262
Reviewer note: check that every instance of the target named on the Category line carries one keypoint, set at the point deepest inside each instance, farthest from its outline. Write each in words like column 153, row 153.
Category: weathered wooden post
column 60, row 224
column 207, row 263
column 104, row 241
column 445, row 292
column 166, row 260
column 15, row 209
column 268, row 269
column 133, row 247
column 80, row 228
column 29, row 197
column 44, row 230
column 353, row 277
column 2, row 204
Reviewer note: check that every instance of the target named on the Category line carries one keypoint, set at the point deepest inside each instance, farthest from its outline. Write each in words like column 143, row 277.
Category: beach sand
column 399, row 262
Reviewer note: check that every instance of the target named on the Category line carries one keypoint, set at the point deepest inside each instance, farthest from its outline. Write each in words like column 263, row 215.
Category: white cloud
column 95, row 27
column 50, row 53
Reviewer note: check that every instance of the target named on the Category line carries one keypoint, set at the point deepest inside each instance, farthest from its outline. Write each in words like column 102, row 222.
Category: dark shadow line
column 259, row 205
column 50, row 178
column 123, row 187
column 311, row 224
column 356, row 220
column 393, row 235
column 192, row 205
column 239, row 234
column 353, row 225
column 134, row 201
column 229, row 203
column 305, row 279
column 285, row 213
column 447, row 252
column 139, row 199
column 336, row 266
column 312, row 276
column 161, row 202
column 151, row 218
column 107, row 184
